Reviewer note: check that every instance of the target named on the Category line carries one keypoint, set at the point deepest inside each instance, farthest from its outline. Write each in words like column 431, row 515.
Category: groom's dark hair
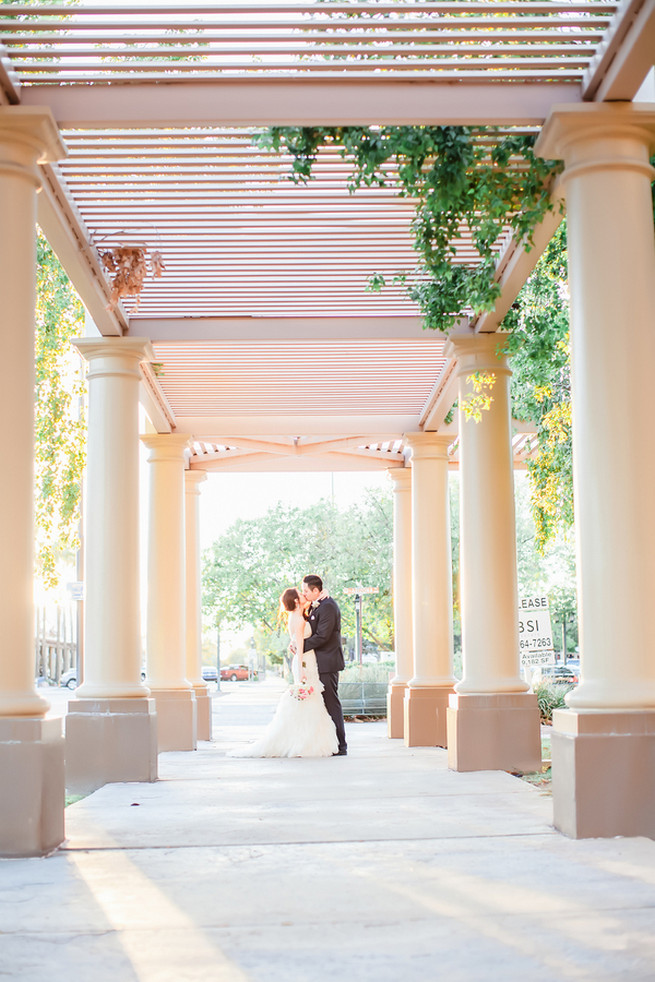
column 313, row 582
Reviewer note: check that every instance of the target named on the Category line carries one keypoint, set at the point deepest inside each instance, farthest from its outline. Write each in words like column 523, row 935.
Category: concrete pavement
column 382, row 865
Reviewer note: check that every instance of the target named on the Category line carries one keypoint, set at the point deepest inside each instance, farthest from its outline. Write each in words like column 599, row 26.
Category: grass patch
column 70, row 799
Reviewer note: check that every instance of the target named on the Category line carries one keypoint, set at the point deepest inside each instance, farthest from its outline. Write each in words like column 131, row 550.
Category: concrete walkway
column 382, row 865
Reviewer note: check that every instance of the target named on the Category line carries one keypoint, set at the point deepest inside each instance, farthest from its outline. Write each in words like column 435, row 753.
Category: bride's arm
column 298, row 634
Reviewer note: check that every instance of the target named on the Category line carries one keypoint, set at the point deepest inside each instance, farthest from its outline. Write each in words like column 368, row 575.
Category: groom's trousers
column 330, row 682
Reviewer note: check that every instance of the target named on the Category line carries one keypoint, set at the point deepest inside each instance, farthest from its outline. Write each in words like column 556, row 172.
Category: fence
column 55, row 642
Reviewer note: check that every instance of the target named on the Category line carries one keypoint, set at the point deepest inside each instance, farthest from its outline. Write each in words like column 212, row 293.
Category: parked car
column 69, row 678
column 210, row 673
column 236, row 673
column 559, row 674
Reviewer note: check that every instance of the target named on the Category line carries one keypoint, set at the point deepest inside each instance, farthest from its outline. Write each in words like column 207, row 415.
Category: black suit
column 325, row 642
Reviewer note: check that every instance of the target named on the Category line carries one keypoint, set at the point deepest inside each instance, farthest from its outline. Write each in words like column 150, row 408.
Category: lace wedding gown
column 300, row 727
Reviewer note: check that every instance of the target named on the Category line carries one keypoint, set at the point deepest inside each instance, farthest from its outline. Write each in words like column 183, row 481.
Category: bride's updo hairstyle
column 289, row 599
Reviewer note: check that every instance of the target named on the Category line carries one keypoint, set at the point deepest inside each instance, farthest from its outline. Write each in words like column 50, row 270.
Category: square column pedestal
column 32, row 774
column 203, row 711
column 494, row 732
column 177, row 722
column 396, row 710
column 425, row 710
column 110, row 740
column 603, row 766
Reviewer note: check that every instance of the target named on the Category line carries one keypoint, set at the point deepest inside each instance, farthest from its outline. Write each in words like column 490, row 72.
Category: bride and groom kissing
column 308, row 721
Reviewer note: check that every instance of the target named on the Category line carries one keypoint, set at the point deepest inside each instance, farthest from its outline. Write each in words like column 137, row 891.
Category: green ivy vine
column 459, row 182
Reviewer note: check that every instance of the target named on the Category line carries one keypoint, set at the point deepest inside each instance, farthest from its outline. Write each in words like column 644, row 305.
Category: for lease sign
column 535, row 634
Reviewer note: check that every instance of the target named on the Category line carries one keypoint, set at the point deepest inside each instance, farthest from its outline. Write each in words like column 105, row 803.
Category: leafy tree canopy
column 246, row 570
column 60, row 426
column 541, row 386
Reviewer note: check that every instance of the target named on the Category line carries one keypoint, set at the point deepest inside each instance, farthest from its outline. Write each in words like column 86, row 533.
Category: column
column 192, row 482
column 111, row 727
column 166, row 643
column 609, row 728
column 426, row 697
column 493, row 722
column 31, row 747
column 402, row 599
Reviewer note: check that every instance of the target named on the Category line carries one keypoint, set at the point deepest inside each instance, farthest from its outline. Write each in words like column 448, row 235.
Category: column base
column 396, row 710
column 32, row 786
column 604, row 773
column 110, row 741
column 177, row 724
column 494, row 732
column 425, row 716
column 203, row 710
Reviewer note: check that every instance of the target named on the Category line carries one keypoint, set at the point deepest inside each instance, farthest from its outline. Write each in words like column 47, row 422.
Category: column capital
column 599, row 137
column 166, row 446
column 401, row 478
column 193, row 479
column 478, row 353
column 114, row 356
column 428, row 445
column 28, row 136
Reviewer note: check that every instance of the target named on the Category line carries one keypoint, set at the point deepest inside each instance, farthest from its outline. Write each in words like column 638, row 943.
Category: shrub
column 366, row 673
column 550, row 697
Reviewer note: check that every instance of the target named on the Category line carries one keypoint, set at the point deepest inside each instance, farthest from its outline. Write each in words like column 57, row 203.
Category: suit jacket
column 325, row 639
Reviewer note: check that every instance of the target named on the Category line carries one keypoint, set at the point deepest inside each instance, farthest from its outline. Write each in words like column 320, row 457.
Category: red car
column 236, row 673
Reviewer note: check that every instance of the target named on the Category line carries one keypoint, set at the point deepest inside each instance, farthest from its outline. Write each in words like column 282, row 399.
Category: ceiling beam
column 188, row 329
column 212, row 429
column 65, row 231
column 516, row 264
column 303, row 102
column 625, row 56
column 263, row 462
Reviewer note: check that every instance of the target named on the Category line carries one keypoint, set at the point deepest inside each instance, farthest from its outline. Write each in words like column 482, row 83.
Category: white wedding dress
column 300, row 727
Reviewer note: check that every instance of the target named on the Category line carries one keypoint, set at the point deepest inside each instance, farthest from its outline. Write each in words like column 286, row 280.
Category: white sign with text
column 535, row 633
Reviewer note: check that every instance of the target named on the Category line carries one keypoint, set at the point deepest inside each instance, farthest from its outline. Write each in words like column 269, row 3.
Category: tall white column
column 111, row 726
column 166, row 643
column 493, row 722
column 610, row 727
column 31, row 748
column 402, row 599
column 192, row 482
column 426, row 697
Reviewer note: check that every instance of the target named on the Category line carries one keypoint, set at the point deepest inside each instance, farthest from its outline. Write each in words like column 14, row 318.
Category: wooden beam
column 65, row 231
column 281, row 328
column 626, row 55
column 265, row 101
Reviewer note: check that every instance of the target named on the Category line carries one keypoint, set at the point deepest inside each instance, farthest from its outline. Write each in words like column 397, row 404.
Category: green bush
column 550, row 696
column 367, row 673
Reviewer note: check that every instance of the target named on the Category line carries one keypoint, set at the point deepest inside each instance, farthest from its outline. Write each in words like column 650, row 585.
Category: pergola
column 260, row 348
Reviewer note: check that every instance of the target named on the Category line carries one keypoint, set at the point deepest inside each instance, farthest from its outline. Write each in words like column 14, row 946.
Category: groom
column 325, row 641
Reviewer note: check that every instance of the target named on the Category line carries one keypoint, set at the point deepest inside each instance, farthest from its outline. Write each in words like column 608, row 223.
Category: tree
column 247, row 569
column 60, row 426
column 541, row 386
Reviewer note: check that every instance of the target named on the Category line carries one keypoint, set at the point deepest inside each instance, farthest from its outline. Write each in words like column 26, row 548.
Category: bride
column 301, row 726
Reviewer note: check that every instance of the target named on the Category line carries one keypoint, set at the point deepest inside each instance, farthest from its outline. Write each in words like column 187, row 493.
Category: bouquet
column 301, row 690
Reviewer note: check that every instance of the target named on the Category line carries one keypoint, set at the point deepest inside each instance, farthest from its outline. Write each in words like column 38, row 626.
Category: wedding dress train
column 301, row 726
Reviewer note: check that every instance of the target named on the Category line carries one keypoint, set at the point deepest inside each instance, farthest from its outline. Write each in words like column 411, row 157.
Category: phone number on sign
column 531, row 644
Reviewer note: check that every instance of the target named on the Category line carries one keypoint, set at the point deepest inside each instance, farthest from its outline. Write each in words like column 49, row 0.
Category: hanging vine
column 462, row 180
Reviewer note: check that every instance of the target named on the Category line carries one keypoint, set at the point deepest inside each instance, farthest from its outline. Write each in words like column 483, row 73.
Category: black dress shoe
column 341, row 753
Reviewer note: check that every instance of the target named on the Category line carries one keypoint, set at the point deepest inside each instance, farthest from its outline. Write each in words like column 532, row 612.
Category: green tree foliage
column 60, row 427
column 541, row 385
column 246, row 570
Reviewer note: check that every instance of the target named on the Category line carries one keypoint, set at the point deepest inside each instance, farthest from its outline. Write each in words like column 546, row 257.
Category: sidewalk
column 382, row 865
